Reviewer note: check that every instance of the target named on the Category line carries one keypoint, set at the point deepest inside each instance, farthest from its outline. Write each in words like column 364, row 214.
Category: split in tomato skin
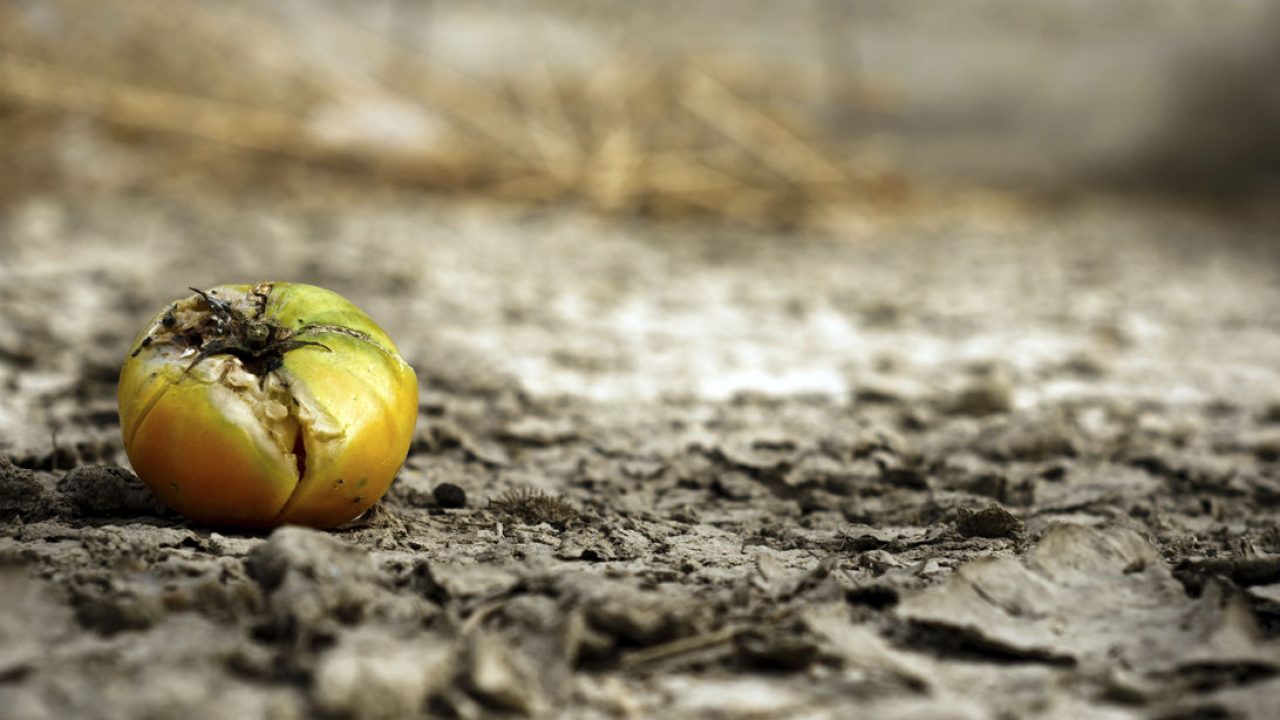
column 256, row 406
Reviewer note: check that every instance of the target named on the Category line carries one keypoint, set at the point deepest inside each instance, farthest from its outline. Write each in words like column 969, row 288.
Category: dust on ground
column 1002, row 460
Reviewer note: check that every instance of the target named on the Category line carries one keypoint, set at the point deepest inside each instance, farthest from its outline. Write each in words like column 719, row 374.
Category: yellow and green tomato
column 262, row 405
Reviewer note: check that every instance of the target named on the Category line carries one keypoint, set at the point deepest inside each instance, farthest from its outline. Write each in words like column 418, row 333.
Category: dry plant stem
column 480, row 614
column 337, row 80
column 469, row 109
column 758, row 134
column 132, row 106
column 676, row 648
column 43, row 86
column 677, row 174
column 555, row 135
column 273, row 54
column 670, row 139
column 465, row 101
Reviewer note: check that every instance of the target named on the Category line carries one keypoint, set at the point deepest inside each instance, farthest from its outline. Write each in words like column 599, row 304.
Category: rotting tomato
column 264, row 405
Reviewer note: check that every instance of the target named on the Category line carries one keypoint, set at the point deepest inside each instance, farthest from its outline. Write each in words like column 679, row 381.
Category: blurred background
column 758, row 112
column 625, row 201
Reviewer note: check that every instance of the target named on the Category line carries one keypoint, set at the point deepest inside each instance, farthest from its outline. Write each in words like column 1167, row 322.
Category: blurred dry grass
column 220, row 90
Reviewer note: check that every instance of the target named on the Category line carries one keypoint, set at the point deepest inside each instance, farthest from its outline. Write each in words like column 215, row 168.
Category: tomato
column 257, row 406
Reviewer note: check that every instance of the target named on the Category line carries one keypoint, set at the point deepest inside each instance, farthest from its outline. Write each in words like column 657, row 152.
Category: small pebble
column 985, row 397
column 448, row 495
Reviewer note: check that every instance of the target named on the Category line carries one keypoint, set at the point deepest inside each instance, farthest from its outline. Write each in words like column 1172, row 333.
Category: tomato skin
column 316, row 440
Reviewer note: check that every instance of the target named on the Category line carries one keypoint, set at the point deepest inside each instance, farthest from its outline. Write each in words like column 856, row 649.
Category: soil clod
column 992, row 521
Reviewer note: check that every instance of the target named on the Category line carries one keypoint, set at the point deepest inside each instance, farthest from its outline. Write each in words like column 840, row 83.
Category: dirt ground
column 995, row 460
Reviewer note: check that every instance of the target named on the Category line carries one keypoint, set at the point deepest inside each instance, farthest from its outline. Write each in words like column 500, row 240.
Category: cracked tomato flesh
column 263, row 405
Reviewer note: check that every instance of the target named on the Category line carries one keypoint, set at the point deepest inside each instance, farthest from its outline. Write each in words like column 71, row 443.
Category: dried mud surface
column 996, row 462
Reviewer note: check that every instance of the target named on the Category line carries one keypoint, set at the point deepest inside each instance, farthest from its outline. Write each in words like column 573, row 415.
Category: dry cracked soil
column 997, row 461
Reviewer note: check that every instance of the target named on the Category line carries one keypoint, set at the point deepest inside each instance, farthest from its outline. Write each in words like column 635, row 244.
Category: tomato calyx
column 259, row 344
column 211, row 326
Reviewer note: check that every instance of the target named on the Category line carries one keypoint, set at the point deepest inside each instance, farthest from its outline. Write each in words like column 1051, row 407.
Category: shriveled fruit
column 261, row 405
